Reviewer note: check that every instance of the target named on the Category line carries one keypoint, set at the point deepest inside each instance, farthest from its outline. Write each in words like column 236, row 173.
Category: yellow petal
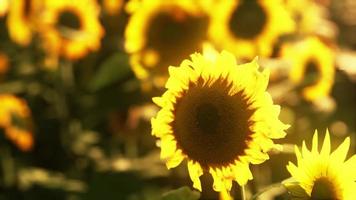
column 220, row 182
column 350, row 164
column 242, row 173
column 225, row 195
column 306, row 153
column 168, row 146
column 195, row 171
column 159, row 129
column 315, row 143
column 158, row 101
column 174, row 160
column 179, row 74
column 222, row 179
column 298, row 154
column 325, row 149
column 339, row 155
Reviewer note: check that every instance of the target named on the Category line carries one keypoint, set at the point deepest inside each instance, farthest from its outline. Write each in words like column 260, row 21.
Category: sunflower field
column 177, row 99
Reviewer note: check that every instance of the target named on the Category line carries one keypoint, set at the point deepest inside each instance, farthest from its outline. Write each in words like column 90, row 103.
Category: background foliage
column 90, row 123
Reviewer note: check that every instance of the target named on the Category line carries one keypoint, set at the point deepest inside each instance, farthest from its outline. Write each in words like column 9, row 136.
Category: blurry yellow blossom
column 163, row 33
column 71, row 28
column 212, row 105
column 12, row 107
column 21, row 20
column 321, row 174
column 249, row 28
column 312, row 66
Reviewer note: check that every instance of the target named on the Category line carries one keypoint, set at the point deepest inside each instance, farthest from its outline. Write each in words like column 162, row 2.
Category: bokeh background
column 77, row 78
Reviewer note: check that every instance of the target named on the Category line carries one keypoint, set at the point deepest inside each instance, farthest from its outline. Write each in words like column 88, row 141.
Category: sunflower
column 249, row 27
column 321, row 175
column 14, row 116
column 218, row 116
column 71, row 28
column 156, row 36
column 21, row 19
column 312, row 66
column 4, row 6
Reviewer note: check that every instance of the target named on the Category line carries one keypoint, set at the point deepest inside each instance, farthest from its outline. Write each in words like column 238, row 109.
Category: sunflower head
column 71, row 29
column 312, row 67
column 157, row 36
column 321, row 174
column 249, row 27
column 218, row 116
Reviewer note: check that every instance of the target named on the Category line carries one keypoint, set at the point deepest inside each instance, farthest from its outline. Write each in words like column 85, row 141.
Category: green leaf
column 183, row 193
column 113, row 69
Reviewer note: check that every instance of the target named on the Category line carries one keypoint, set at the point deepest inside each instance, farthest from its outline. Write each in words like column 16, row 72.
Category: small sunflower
column 14, row 116
column 249, row 27
column 312, row 66
column 321, row 175
column 4, row 6
column 71, row 28
column 21, row 19
column 218, row 116
column 162, row 33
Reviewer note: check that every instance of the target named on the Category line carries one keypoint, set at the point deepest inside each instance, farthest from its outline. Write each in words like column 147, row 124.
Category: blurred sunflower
column 113, row 7
column 321, row 175
column 211, row 105
column 71, row 28
column 14, row 119
column 307, row 13
column 312, row 66
column 21, row 20
column 4, row 6
column 4, row 63
column 249, row 27
column 157, row 36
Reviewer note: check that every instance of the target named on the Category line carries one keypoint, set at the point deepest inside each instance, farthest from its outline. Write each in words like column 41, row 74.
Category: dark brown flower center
column 27, row 7
column 69, row 19
column 207, row 118
column 311, row 73
column 248, row 20
column 174, row 36
column 211, row 126
column 324, row 189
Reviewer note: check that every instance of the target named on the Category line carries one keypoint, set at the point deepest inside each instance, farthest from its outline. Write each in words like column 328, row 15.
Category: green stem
column 255, row 196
